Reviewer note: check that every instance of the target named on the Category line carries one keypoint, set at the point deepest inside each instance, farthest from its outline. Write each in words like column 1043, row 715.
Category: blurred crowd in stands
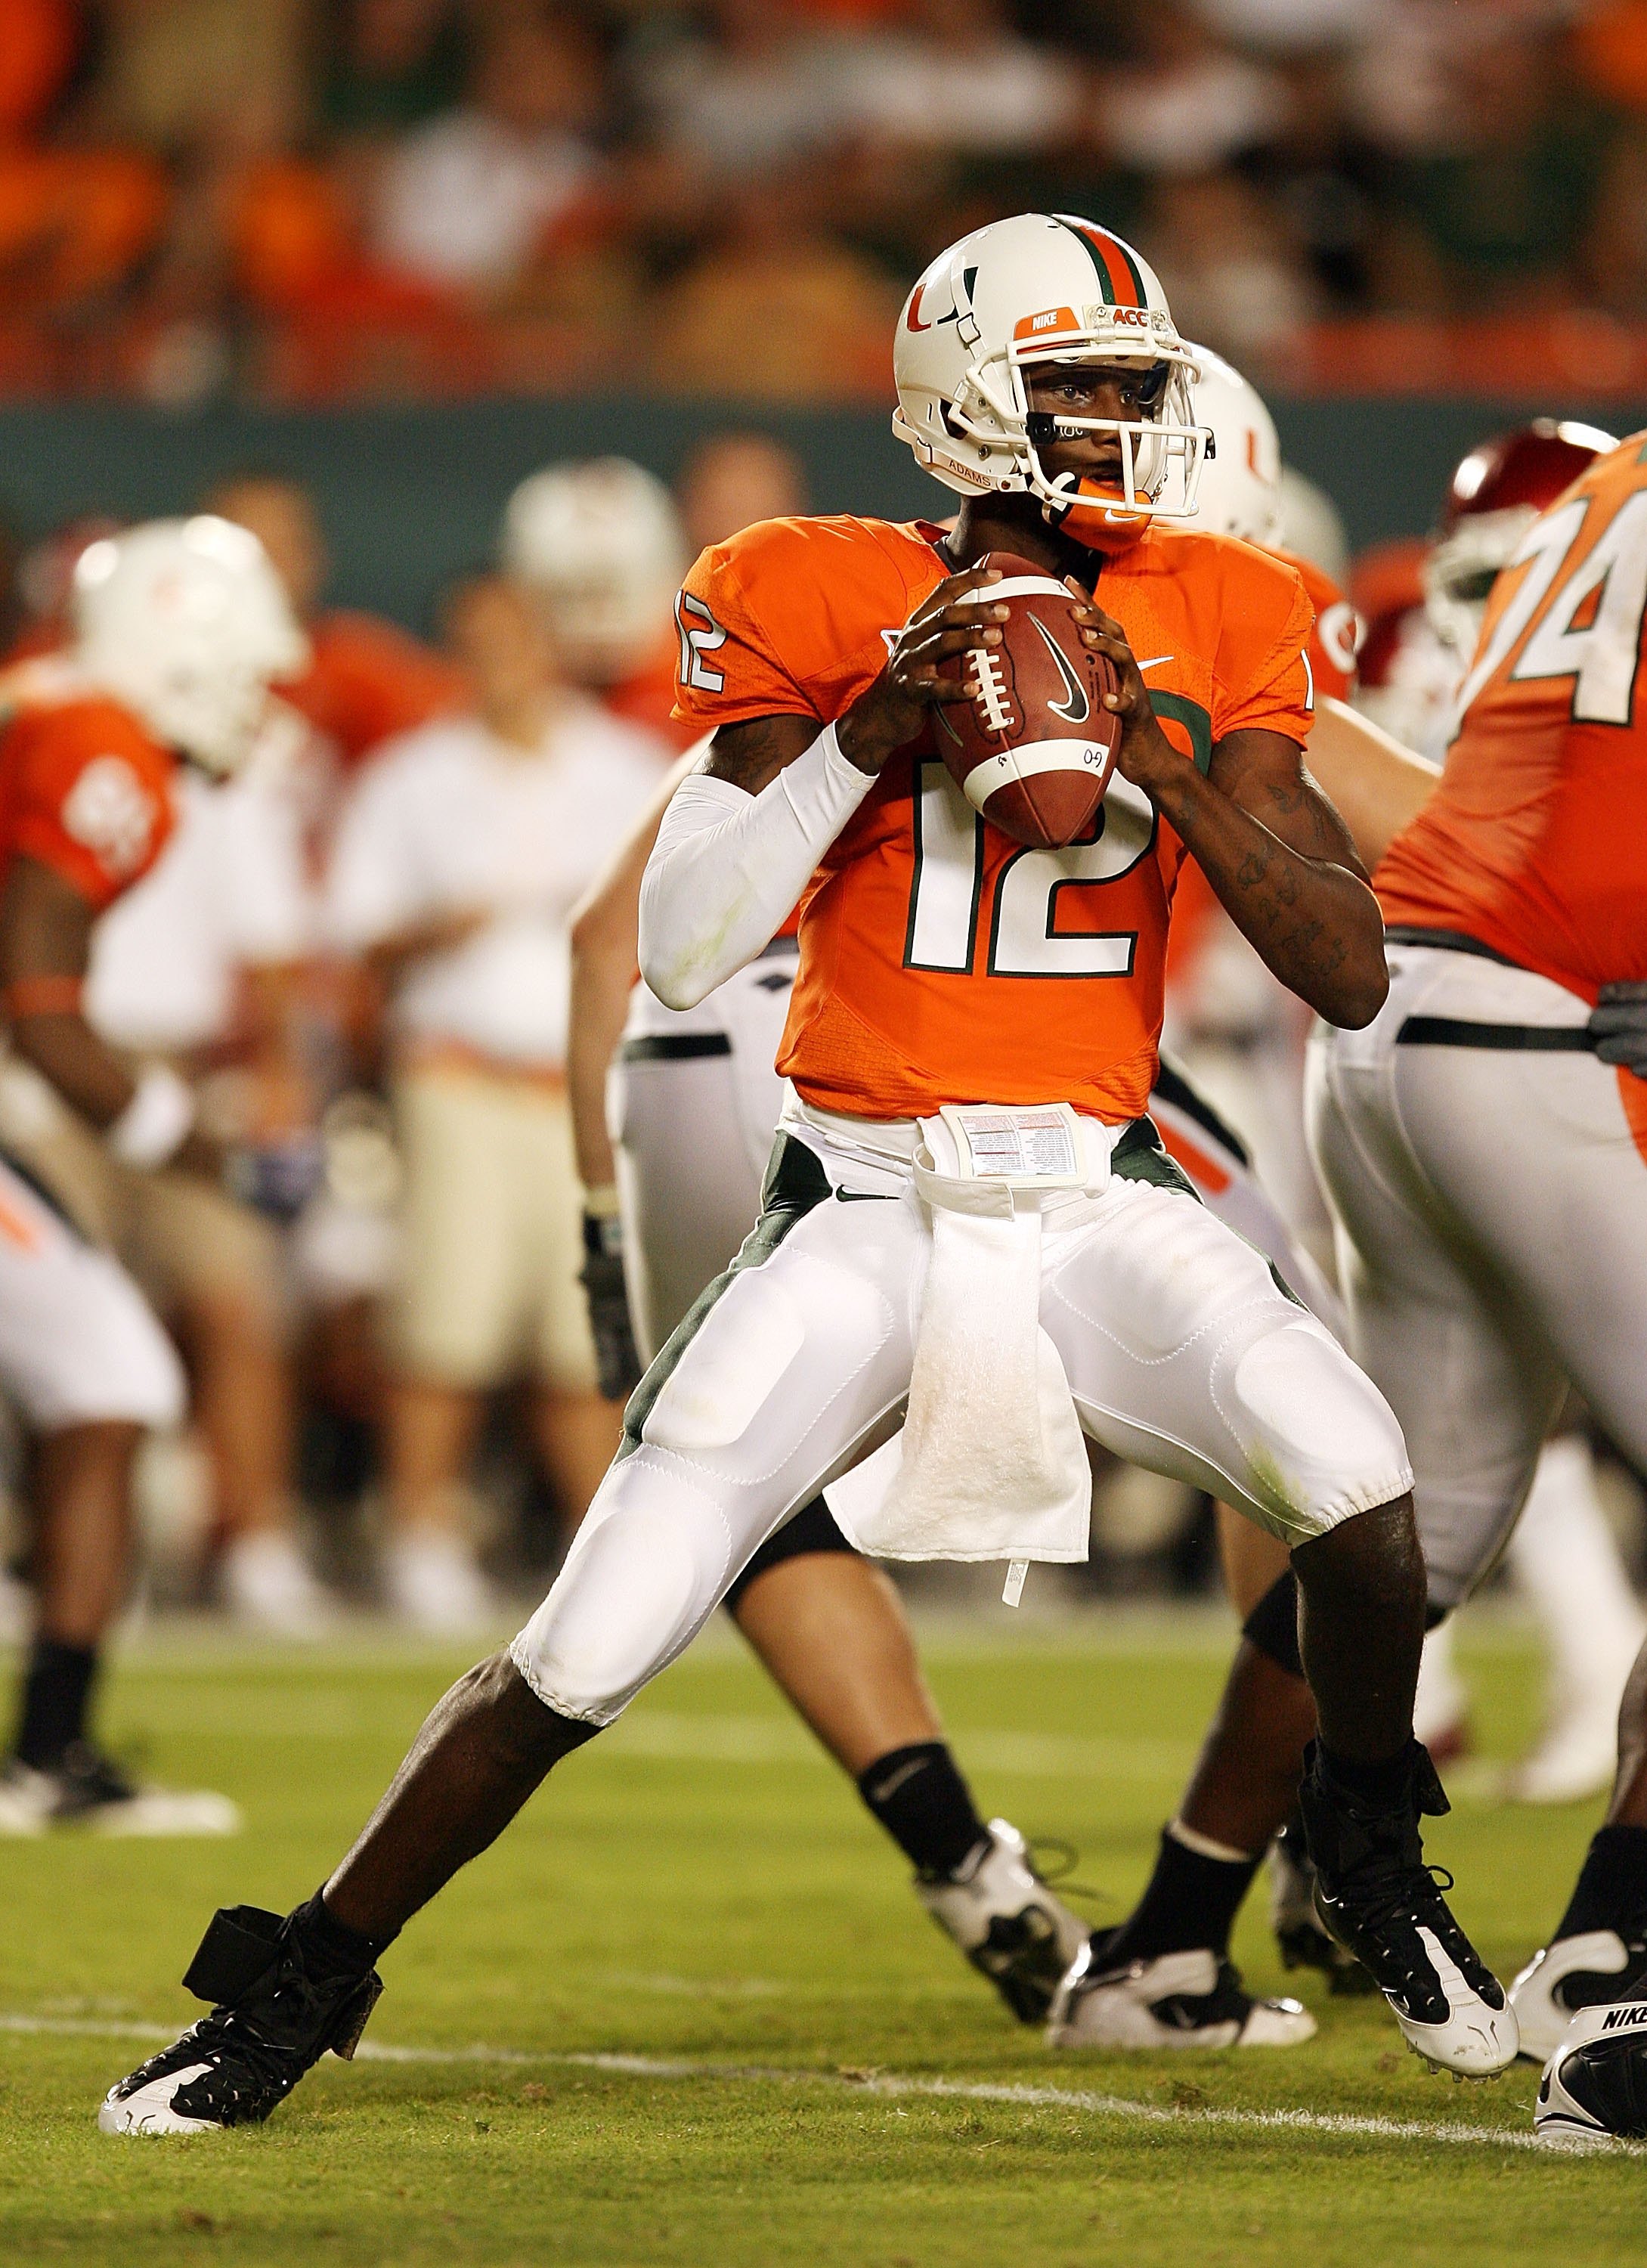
column 323, row 199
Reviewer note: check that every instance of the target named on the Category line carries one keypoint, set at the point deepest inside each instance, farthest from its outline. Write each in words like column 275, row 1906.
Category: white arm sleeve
column 728, row 867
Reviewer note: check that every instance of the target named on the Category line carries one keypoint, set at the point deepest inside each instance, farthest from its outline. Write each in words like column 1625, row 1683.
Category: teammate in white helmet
column 178, row 628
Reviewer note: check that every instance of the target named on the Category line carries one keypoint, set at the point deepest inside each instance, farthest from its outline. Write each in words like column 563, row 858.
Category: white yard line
column 886, row 2084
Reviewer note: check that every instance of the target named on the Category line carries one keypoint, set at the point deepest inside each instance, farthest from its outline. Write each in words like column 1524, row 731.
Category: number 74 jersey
column 1535, row 843
column 940, row 961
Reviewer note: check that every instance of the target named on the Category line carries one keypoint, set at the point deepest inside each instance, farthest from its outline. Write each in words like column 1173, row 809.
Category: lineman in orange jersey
column 1484, row 1141
column 178, row 628
column 965, row 1211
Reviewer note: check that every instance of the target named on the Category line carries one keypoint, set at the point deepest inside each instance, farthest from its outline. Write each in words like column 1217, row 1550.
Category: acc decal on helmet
column 1046, row 288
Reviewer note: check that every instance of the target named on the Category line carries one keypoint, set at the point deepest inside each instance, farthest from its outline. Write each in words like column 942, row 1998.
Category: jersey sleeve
column 1336, row 638
column 737, row 655
column 1265, row 680
column 90, row 797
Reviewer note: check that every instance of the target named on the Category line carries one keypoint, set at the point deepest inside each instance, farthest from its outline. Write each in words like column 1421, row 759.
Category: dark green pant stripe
column 794, row 1182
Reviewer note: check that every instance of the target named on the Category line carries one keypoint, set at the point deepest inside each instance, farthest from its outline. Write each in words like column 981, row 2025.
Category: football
column 1034, row 747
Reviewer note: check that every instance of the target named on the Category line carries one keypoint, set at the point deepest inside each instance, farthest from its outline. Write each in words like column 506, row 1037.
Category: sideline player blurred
column 364, row 678
column 1039, row 373
column 457, row 863
column 179, row 627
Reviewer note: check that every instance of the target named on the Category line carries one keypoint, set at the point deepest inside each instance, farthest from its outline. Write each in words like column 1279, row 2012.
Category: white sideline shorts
column 491, row 1235
column 1491, row 1210
column 1181, row 1351
column 79, row 1342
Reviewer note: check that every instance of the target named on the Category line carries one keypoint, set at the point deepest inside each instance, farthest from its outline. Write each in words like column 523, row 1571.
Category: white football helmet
column 186, row 622
column 1045, row 287
column 1241, row 486
column 599, row 545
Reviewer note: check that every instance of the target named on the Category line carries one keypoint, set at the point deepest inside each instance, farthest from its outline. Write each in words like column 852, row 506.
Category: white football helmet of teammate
column 186, row 624
column 1046, row 288
column 599, row 545
column 1240, row 482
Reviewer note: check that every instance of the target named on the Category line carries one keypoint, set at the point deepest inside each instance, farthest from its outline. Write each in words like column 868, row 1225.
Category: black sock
column 330, row 1945
column 1611, row 1892
column 924, row 1805
column 56, row 1694
column 1189, row 1900
column 1385, row 1784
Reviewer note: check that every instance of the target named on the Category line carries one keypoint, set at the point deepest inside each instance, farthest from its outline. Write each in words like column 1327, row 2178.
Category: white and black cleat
column 88, row 1793
column 1006, row 1921
column 1593, row 2092
column 1190, row 2000
column 1376, row 1896
column 275, row 2018
column 1571, row 1974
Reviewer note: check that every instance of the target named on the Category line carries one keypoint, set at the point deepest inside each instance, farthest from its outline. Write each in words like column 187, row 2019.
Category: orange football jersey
column 647, row 696
column 940, row 961
column 1535, row 843
column 85, row 790
column 1334, row 640
column 368, row 680
column 1336, row 636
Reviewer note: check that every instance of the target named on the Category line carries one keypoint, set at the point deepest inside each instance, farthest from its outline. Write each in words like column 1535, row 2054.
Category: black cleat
column 1302, row 1942
column 274, row 2019
column 1376, row 1896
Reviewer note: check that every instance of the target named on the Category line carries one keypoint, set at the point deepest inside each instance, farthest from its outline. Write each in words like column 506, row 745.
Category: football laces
column 988, row 685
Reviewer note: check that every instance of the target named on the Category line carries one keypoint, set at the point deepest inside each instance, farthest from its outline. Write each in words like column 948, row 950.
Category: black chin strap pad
column 1273, row 1624
column 241, row 1943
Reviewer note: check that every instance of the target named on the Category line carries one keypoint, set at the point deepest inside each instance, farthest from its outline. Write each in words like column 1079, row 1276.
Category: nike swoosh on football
column 1073, row 689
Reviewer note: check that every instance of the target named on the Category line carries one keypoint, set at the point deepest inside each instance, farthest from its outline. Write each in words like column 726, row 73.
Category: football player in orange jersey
column 1572, row 1574
column 1484, row 1142
column 178, row 627
column 954, row 1017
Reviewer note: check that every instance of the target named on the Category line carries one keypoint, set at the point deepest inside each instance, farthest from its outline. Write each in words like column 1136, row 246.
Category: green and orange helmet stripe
column 1119, row 282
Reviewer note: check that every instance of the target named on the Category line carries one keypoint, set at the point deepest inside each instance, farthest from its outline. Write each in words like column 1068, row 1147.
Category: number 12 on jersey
column 946, row 896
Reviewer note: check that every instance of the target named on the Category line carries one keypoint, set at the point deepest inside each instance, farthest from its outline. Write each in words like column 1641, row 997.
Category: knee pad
column 1273, row 1624
column 814, row 1529
column 648, row 1568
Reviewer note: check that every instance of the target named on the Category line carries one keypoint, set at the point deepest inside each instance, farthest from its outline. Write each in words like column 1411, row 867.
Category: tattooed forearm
column 1271, row 850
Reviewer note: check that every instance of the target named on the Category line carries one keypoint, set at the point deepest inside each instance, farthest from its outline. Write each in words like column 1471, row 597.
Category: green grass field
column 687, row 2011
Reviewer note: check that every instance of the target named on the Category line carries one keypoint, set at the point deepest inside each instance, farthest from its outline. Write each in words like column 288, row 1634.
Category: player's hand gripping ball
column 1034, row 748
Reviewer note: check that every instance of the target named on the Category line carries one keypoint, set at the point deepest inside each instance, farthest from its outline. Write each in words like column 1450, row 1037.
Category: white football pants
column 1181, row 1353
column 78, row 1341
column 1491, row 1210
column 693, row 1098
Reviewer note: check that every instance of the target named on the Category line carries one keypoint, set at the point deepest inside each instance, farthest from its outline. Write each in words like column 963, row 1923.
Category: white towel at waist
column 991, row 1463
